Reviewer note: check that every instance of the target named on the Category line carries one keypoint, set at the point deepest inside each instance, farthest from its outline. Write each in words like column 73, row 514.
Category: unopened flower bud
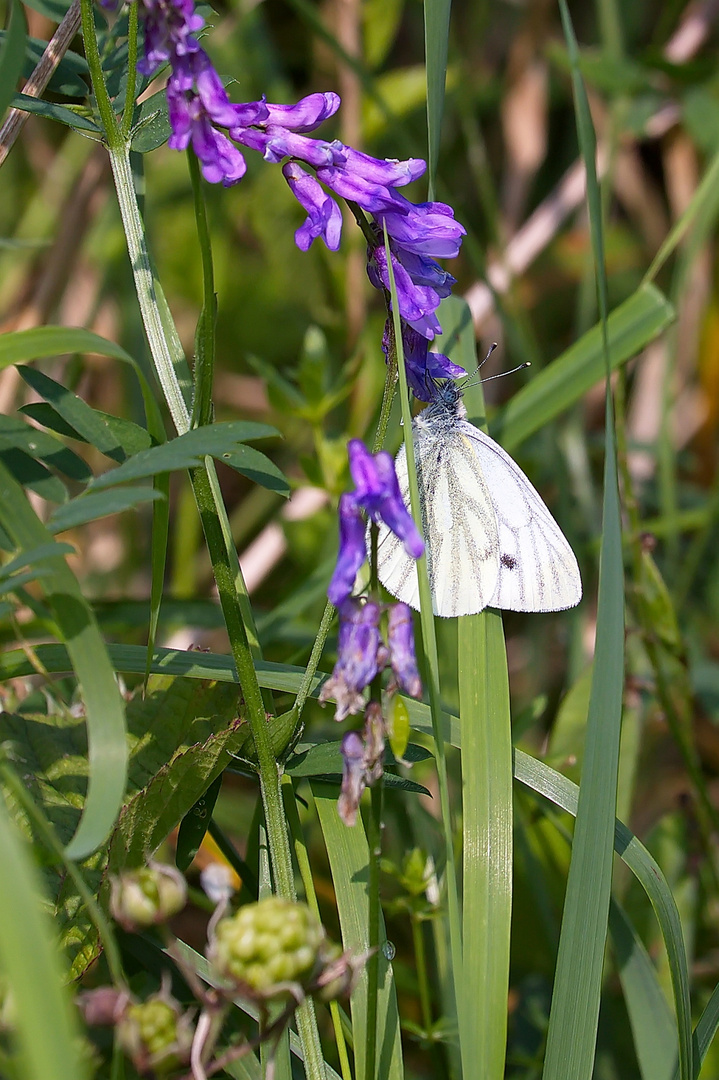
column 148, row 896
column 272, row 942
column 156, row 1035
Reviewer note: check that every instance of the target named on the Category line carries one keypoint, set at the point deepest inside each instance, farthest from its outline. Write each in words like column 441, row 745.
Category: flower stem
column 129, row 109
column 374, row 840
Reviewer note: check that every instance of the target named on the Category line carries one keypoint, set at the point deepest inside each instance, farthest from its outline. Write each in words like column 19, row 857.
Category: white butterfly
column 490, row 540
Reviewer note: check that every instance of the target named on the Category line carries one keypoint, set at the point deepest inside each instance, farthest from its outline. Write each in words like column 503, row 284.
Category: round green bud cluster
column 145, row 897
column 155, row 1035
column 270, row 942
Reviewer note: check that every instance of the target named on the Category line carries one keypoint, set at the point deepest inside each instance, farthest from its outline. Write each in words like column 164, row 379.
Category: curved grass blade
column 107, row 745
column 91, row 507
column 574, row 1013
column 560, row 384
column 46, row 1026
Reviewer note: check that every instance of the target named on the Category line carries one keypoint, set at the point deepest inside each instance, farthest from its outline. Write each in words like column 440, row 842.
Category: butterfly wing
column 459, row 524
column 538, row 570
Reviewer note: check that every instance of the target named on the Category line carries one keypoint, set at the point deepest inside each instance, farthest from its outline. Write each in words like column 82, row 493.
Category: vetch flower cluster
column 202, row 115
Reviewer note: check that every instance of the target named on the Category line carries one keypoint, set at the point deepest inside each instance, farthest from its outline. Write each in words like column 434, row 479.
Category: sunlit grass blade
column 574, row 1013
column 562, row 383
column 349, row 857
column 45, row 1024
column 486, row 842
column 107, row 746
column 436, row 40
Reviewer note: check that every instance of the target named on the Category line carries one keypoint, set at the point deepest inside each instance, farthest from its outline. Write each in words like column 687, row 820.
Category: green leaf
column 91, row 507
column 74, row 117
column 563, row 382
column 11, row 55
column 34, row 556
column 188, row 450
column 574, row 1014
column 151, row 124
column 487, row 823
column 44, row 1020
column 180, row 738
column 33, row 474
column 98, row 429
column 55, row 10
column 38, row 444
column 194, row 825
column 66, row 78
column 124, row 438
column 436, row 41
column 349, row 858
column 26, row 345
column 653, row 1026
column 103, row 703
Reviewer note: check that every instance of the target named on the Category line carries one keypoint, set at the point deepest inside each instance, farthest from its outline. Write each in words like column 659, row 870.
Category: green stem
column 313, row 663
column 131, row 89
column 113, row 135
column 145, row 288
column 429, row 641
column 205, row 334
column 420, row 963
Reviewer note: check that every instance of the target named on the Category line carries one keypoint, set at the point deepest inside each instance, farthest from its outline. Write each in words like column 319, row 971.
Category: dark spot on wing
column 509, row 561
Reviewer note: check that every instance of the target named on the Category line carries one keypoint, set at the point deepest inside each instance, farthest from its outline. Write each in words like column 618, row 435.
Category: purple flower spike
column 417, row 303
column 360, row 655
column 352, row 552
column 400, row 640
column 371, row 196
column 307, row 114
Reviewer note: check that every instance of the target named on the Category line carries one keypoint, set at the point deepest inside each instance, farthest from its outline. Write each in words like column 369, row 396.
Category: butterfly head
column 445, row 406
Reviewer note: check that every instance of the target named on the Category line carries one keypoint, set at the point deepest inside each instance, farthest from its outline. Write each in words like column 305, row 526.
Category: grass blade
column 45, row 1023
column 436, row 41
column 574, row 1014
column 349, row 858
column 107, row 745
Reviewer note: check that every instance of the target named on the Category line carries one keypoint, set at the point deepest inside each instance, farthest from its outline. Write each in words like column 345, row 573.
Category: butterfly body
column 490, row 539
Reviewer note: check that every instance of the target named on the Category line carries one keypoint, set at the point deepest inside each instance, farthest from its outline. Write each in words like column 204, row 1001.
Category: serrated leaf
column 180, row 736
column 188, row 450
column 86, row 508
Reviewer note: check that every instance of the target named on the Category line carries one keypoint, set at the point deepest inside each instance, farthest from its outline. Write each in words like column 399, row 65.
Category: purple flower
column 417, row 302
column 423, row 367
column 424, row 228
column 400, row 641
column 360, row 656
column 324, row 217
column 377, row 493
column 307, row 114
column 190, row 121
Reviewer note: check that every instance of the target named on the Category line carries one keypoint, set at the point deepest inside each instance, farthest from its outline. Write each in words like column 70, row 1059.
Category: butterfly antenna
column 500, row 374
column 465, row 381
